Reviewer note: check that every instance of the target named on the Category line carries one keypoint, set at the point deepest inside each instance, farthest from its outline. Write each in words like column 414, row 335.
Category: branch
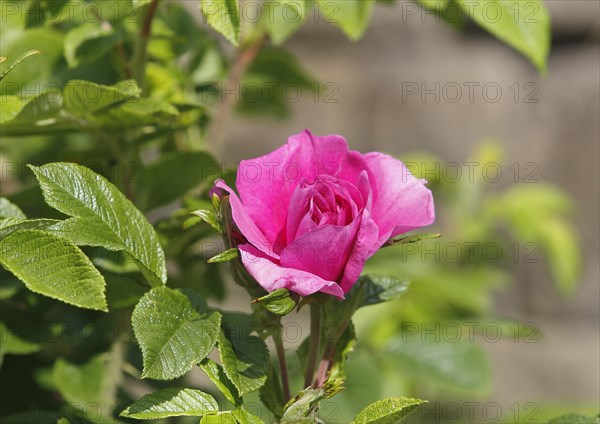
column 139, row 60
column 315, row 339
column 243, row 59
column 285, row 380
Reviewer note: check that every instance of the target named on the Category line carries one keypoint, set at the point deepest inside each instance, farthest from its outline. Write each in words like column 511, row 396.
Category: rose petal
column 272, row 276
column 361, row 251
column 266, row 184
column 401, row 202
column 323, row 251
column 243, row 221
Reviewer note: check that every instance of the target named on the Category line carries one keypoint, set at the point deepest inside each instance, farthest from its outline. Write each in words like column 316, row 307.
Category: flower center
column 326, row 201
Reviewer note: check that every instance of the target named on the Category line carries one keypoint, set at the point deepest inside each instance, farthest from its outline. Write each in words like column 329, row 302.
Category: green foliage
column 175, row 332
column 387, row 411
column 351, row 16
column 537, row 215
column 379, row 289
column 278, row 302
column 10, row 225
column 245, row 357
column 210, row 218
column 575, row 419
column 14, row 345
column 224, row 17
column 306, row 403
column 217, row 375
column 16, row 63
column 523, row 25
column 101, row 215
column 87, row 43
column 282, row 18
column 172, row 402
column 54, row 267
column 459, row 365
column 82, row 384
column 225, row 256
column 10, row 210
column 271, row 394
column 187, row 170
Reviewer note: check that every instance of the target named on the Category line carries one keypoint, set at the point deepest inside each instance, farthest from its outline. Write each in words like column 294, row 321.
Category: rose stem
column 328, row 356
column 285, row 381
column 315, row 338
column 324, row 364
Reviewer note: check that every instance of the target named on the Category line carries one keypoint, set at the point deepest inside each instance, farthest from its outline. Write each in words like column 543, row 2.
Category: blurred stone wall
column 557, row 127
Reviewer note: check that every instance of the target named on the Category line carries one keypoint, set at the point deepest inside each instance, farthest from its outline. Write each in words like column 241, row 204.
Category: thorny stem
column 285, row 380
column 315, row 338
column 139, row 60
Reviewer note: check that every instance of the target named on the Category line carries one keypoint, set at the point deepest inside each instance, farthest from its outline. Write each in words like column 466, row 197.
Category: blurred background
column 501, row 321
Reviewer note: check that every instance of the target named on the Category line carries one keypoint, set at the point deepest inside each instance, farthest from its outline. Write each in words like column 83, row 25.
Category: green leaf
column 459, row 366
column 219, row 418
column 36, row 114
column 448, row 10
column 82, row 98
column 343, row 347
column 10, row 210
column 171, row 402
column 9, row 108
column 172, row 333
column 224, row 17
column 387, row 411
column 10, row 225
column 140, row 3
column 244, row 417
column 101, row 215
column 9, row 285
column 266, row 84
column 542, row 224
column 575, row 419
column 351, row 16
column 17, row 62
column 13, row 344
column 54, row 267
column 37, row 71
column 87, row 43
column 278, row 302
column 271, row 394
column 210, row 218
column 225, row 256
column 81, row 384
column 307, row 401
column 281, row 18
column 524, row 25
column 378, row 289
column 186, row 170
column 412, row 239
column 217, row 375
column 245, row 357
column 40, row 12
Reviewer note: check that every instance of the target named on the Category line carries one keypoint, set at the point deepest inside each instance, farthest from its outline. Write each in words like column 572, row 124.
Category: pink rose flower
column 312, row 212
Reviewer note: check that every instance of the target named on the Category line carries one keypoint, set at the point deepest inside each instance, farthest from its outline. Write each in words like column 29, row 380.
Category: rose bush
column 312, row 212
